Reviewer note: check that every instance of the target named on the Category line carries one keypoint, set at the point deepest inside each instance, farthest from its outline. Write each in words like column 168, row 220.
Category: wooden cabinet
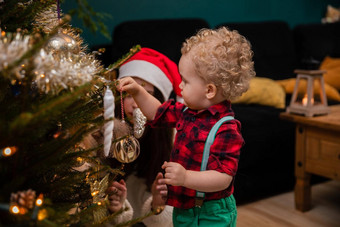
column 317, row 151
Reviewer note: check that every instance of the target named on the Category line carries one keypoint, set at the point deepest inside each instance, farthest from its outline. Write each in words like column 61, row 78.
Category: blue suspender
column 206, row 151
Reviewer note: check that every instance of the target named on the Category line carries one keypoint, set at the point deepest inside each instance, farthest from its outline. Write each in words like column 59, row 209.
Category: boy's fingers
column 167, row 181
column 165, row 165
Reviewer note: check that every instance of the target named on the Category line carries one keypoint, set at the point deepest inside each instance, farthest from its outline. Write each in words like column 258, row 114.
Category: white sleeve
column 163, row 219
column 124, row 216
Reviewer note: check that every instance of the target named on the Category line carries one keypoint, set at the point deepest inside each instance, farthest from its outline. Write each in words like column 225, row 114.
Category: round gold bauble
column 62, row 43
column 126, row 150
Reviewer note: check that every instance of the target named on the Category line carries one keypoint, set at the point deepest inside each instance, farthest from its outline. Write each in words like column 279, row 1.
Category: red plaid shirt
column 192, row 132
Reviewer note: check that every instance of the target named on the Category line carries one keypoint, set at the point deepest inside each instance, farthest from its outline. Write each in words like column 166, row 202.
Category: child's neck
column 211, row 102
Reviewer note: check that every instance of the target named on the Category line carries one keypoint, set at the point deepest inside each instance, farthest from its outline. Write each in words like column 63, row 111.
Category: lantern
column 309, row 96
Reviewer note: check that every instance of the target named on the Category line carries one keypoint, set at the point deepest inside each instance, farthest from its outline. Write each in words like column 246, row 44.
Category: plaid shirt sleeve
column 167, row 114
column 225, row 151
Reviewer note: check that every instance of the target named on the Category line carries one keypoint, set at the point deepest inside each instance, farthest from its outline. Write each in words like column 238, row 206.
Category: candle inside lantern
column 305, row 100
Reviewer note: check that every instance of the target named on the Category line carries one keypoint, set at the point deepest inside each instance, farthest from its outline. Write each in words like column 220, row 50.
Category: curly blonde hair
column 222, row 57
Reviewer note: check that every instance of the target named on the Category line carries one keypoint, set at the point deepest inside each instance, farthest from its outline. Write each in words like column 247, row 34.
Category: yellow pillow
column 289, row 85
column 263, row 91
column 332, row 76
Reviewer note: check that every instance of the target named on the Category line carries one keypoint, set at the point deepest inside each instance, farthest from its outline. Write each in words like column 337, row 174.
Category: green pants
column 214, row 213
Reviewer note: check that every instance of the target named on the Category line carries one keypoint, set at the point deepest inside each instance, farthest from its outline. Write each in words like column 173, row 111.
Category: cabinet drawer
column 323, row 152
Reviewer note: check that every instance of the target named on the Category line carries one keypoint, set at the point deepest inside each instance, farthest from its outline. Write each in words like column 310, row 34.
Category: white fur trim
column 140, row 199
column 125, row 216
column 148, row 72
column 162, row 219
column 179, row 99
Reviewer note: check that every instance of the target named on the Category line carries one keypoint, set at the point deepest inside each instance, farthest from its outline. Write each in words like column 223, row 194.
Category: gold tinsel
column 13, row 46
column 63, row 62
column 48, row 20
column 56, row 72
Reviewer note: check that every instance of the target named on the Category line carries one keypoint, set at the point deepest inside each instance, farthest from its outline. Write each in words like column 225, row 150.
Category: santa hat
column 155, row 68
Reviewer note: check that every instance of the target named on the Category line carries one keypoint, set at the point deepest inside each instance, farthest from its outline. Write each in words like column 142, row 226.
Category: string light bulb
column 8, row 151
column 94, row 193
column 39, row 200
column 14, row 209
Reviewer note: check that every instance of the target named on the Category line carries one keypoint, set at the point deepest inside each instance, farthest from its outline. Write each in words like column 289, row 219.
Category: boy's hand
column 159, row 192
column 175, row 174
column 117, row 194
column 129, row 85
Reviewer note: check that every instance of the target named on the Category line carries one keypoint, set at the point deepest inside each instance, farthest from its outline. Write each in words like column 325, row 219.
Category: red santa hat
column 155, row 68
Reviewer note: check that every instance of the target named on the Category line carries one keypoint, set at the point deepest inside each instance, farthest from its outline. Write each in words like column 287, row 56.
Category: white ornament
column 139, row 121
column 109, row 108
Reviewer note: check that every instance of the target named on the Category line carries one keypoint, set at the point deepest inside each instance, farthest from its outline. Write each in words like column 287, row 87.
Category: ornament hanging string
column 58, row 9
column 122, row 105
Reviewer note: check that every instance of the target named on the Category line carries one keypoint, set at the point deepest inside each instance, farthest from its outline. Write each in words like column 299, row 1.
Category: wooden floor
column 279, row 210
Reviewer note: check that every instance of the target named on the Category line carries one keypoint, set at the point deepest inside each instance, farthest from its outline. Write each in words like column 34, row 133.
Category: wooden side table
column 317, row 151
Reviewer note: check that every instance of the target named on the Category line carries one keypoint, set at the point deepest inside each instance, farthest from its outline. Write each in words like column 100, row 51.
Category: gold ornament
column 62, row 44
column 98, row 192
column 139, row 121
column 126, row 150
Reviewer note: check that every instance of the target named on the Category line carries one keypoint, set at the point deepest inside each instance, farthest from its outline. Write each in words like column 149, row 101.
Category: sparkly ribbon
column 58, row 9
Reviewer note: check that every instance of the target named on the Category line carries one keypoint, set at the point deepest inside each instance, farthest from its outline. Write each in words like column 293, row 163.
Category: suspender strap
column 206, row 151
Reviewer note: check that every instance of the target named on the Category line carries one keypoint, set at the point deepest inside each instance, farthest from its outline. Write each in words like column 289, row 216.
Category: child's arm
column 205, row 181
column 147, row 103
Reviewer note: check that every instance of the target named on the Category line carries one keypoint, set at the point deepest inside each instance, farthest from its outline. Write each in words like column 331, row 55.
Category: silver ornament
column 139, row 121
column 126, row 150
column 62, row 43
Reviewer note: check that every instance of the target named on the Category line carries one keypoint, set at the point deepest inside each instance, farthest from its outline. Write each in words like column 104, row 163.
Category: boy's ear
column 211, row 91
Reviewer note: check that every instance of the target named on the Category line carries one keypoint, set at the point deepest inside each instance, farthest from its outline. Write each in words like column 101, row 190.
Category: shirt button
column 176, row 151
column 183, row 135
column 193, row 119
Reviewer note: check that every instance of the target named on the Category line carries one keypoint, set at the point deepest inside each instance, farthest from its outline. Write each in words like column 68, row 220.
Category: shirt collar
column 222, row 107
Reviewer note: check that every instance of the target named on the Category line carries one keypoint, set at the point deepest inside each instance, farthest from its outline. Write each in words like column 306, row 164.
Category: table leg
column 303, row 193
column 302, row 186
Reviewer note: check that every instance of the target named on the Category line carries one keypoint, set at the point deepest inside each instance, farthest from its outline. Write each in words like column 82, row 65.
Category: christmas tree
column 51, row 98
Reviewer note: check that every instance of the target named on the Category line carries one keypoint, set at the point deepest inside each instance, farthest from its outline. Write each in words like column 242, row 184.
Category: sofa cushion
column 163, row 35
column 272, row 43
column 289, row 85
column 263, row 91
column 332, row 67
